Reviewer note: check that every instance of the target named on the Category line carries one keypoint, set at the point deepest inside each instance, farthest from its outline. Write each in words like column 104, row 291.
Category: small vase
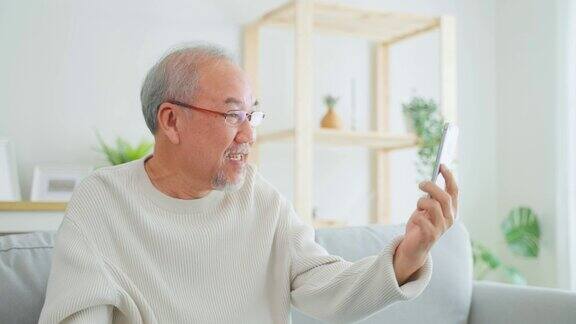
column 331, row 119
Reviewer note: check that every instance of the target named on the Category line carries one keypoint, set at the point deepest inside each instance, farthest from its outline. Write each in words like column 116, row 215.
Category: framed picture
column 56, row 183
column 9, row 185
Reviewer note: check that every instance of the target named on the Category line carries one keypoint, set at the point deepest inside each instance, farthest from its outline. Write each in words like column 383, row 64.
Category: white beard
column 220, row 182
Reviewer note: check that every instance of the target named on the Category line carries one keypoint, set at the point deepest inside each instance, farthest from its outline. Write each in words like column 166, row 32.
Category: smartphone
column 447, row 148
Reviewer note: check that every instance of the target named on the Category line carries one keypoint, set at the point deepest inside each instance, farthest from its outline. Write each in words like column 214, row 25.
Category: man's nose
column 246, row 133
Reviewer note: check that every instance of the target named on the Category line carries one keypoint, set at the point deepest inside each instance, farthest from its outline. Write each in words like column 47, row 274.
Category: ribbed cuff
column 419, row 280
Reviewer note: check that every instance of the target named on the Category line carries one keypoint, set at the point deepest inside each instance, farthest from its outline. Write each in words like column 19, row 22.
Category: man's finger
column 441, row 196
column 451, row 186
column 429, row 232
column 434, row 209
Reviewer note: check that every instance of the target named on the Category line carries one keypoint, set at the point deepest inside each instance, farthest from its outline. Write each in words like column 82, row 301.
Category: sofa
column 451, row 297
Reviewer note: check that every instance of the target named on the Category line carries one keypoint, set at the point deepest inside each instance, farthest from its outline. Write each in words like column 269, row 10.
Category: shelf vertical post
column 250, row 57
column 380, row 159
column 303, row 128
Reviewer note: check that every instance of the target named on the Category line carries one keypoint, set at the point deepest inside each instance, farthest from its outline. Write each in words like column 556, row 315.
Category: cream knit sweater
column 127, row 253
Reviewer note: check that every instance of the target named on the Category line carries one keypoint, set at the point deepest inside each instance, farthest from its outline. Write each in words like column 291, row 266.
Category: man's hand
column 433, row 216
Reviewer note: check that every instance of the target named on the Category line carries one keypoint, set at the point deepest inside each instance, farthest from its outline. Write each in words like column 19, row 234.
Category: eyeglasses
column 232, row 117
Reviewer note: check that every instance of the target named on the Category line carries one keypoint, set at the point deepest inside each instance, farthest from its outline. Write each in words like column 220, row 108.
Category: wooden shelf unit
column 31, row 206
column 385, row 29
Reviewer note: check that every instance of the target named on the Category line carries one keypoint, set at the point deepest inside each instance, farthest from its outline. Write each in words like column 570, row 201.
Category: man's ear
column 167, row 118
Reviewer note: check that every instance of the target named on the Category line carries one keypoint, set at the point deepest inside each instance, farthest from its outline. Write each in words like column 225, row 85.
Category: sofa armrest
column 502, row 303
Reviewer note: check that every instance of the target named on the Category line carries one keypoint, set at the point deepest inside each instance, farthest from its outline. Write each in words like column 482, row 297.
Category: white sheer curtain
column 566, row 149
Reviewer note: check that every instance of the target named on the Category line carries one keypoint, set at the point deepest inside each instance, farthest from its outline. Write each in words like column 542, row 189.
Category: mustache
column 243, row 148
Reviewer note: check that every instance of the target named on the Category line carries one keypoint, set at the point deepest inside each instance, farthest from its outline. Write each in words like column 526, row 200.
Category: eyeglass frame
column 247, row 116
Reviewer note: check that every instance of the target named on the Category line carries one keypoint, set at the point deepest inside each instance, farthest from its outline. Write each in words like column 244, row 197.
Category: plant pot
column 331, row 119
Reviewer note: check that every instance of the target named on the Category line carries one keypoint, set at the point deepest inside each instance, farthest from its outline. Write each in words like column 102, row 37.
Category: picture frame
column 9, row 182
column 56, row 183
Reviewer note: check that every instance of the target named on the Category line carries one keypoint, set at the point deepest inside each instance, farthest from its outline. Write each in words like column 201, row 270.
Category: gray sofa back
column 25, row 261
column 447, row 298
column 25, row 265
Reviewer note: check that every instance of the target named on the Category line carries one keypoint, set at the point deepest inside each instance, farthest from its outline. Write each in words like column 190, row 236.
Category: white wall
column 477, row 119
column 533, row 127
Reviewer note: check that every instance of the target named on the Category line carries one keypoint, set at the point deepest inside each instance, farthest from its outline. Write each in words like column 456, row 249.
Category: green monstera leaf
column 485, row 261
column 484, row 256
column 522, row 232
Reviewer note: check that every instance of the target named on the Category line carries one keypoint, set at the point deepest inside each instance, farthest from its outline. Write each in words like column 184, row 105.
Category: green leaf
column 330, row 101
column 484, row 260
column 515, row 276
column 522, row 232
column 124, row 151
column 143, row 148
column 484, row 255
column 428, row 124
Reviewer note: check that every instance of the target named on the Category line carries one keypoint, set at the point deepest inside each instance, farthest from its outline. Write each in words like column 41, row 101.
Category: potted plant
column 123, row 152
column 423, row 119
column 522, row 234
column 331, row 118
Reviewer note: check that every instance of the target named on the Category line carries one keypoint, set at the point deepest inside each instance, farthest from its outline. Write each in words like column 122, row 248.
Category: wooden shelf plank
column 366, row 139
column 374, row 140
column 324, row 223
column 32, row 206
column 382, row 26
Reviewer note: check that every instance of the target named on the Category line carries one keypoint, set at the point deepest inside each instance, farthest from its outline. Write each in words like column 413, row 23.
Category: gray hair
column 175, row 77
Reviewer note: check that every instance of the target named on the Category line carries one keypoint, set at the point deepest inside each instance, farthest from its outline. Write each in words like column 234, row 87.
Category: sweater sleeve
column 97, row 314
column 79, row 288
column 332, row 289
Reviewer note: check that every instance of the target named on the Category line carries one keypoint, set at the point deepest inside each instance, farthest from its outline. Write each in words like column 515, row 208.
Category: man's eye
column 234, row 118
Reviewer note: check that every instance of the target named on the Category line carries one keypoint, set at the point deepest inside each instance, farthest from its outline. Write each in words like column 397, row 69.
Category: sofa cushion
column 25, row 261
column 446, row 299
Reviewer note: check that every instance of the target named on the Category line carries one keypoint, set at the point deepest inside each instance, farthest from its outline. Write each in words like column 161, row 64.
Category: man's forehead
column 238, row 102
column 224, row 83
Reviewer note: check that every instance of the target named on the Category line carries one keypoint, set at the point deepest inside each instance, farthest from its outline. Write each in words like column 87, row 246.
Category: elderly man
column 193, row 234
